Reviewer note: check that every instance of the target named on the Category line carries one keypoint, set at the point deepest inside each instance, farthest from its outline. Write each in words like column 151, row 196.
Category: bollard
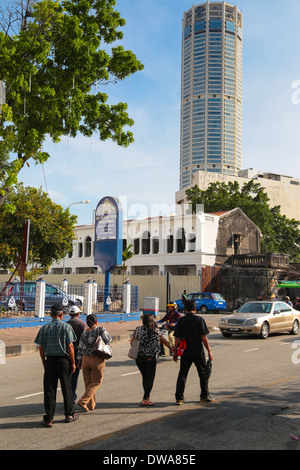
column 2, row 353
column 126, row 297
column 39, row 310
column 65, row 285
column 88, row 298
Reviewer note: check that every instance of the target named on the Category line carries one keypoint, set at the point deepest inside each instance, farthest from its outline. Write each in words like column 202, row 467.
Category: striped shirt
column 54, row 338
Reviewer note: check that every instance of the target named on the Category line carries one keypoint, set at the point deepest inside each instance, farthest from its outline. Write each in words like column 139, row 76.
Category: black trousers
column 147, row 367
column 185, row 364
column 57, row 368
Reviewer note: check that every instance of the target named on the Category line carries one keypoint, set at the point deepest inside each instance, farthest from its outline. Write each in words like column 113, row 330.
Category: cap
column 73, row 310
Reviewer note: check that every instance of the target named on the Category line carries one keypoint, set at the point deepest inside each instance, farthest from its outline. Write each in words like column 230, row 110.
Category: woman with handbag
column 149, row 337
column 93, row 367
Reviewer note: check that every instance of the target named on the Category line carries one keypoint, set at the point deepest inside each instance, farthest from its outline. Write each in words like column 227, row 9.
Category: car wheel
column 295, row 328
column 265, row 330
column 226, row 335
column 78, row 303
column 203, row 309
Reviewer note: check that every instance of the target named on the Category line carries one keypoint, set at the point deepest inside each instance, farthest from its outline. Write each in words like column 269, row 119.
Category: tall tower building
column 211, row 90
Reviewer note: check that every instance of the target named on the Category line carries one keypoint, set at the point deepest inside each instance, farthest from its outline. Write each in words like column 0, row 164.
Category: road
column 255, row 384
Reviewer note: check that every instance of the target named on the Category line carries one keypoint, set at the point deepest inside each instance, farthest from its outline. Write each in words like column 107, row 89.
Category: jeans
column 57, row 368
column 185, row 364
column 147, row 367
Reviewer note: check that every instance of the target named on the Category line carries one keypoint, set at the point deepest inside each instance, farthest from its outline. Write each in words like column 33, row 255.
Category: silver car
column 261, row 319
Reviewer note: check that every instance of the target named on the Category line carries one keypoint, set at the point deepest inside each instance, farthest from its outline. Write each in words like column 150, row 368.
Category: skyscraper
column 211, row 90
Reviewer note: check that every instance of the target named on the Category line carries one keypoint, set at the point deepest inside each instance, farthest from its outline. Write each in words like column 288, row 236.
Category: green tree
column 280, row 234
column 51, row 228
column 53, row 57
column 126, row 255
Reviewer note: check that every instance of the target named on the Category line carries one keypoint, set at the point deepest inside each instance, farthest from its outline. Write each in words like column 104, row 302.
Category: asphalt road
column 255, row 384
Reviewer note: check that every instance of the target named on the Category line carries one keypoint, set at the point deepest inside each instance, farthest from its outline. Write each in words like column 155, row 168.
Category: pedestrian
column 297, row 304
column 171, row 318
column 193, row 329
column 55, row 341
column 150, row 340
column 79, row 326
column 93, row 367
column 183, row 298
column 288, row 301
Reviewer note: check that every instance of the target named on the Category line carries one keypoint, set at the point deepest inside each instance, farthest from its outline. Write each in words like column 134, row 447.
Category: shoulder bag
column 133, row 351
column 102, row 350
column 181, row 347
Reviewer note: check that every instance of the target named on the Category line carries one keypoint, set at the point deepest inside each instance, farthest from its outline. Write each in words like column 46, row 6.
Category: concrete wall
column 148, row 286
column 282, row 190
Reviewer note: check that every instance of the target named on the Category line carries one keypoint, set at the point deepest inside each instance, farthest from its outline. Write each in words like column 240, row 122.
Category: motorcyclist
column 170, row 319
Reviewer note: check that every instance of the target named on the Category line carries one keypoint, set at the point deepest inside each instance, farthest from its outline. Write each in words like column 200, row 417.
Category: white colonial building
column 179, row 244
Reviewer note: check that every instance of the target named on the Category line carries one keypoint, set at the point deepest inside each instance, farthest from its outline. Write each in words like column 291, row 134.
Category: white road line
column 249, row 350
column 31, row 395
column 131, row 373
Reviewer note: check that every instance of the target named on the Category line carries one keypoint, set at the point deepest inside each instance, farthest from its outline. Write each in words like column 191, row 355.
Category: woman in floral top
column 93, row 367
column 150, row 339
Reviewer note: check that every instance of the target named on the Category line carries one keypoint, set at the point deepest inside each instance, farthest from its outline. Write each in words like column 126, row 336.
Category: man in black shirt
column 194, row 330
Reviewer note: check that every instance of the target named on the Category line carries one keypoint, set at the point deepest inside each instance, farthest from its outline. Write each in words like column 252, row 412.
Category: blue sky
column 146, row 174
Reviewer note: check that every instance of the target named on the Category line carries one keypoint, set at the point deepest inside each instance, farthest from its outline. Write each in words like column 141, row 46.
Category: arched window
column 170, row 244
column 192, row 242
column 146, row 243
column 80, row 250
column 180, row 241
column 88, row 247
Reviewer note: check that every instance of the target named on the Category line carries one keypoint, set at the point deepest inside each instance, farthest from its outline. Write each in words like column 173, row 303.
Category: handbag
column 133, row 351
column 181, row 347
column 102, row 350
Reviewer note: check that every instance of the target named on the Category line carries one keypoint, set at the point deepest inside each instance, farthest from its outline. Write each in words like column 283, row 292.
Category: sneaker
column 179, row 402
column 207, row 399
column 70, row 419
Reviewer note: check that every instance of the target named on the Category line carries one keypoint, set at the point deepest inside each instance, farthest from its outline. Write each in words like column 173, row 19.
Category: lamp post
column 73, row 203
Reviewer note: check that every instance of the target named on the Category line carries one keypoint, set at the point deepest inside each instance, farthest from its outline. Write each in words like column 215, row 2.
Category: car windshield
column 256, row 307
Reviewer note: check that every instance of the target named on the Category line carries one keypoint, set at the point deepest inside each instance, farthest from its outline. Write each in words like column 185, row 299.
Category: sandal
column 70, row 419
column 147, row 403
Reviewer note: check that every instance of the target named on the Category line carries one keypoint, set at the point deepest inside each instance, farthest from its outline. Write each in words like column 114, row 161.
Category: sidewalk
column 19, row 340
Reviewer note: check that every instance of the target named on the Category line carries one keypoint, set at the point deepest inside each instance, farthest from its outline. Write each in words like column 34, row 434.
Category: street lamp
column 73, row 203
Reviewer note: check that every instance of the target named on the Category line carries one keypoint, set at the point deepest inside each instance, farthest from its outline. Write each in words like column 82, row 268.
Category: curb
column 31, row 348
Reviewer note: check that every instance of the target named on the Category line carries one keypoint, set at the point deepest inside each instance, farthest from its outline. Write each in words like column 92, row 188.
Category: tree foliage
column 53, row 57
column 280, row 234
column 51, row 228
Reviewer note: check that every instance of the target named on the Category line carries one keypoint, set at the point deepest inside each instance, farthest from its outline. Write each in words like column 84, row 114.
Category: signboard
column 108, row 234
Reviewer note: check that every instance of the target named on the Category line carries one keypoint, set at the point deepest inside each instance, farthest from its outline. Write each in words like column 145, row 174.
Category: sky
column 145, row 176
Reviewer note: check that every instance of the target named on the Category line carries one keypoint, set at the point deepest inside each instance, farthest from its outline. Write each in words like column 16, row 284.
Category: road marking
column 249, row 350
column 131, row 373
column 31, row 395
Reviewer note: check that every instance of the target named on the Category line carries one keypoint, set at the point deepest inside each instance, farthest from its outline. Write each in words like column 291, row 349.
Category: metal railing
column 22, row 303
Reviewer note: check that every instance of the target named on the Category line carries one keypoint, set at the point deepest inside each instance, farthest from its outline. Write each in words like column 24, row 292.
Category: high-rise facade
column 211, row 90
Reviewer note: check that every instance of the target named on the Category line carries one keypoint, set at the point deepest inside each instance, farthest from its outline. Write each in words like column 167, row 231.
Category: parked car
column 53, row 294
column 261, row 319
column 205, row 302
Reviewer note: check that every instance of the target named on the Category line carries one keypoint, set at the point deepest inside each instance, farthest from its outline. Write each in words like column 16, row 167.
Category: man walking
column 194, row 330
column 55, row 341
column 79, row 327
